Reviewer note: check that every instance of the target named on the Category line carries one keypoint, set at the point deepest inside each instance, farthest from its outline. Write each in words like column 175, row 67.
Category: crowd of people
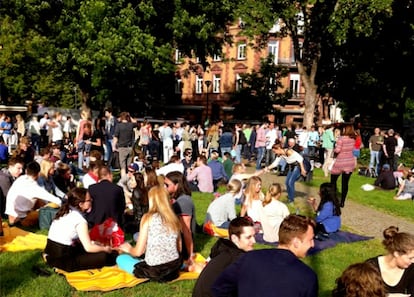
column 66, row 169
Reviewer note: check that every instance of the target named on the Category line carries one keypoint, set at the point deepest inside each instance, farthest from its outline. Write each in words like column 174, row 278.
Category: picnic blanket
column 111, row 278
column 17, row 240
column 333, row 240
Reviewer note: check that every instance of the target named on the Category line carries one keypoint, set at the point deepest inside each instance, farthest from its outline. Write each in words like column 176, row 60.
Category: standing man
column 375, row 145
column 389, row 148
column 167, row 141
column 271, row 136
column 44, row 138
column 274, row 272
column 328, row 142
column 225, row 252
column 110, row 124
column 123, row 139
column 398, row 150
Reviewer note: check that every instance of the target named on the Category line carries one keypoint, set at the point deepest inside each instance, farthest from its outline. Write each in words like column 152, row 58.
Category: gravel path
column 361, row 219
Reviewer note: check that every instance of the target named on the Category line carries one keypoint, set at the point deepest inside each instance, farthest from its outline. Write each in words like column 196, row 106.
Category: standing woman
column 397, row 267
column 20, row 126
column 69, row 246
column 295, row 166
column 79, row 138
column 328, row 212
column 159, row 242
column 213, row 138
column 345, row 161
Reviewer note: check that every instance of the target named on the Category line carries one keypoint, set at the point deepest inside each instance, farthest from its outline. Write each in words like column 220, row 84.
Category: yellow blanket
column 16, row 240
column 112, row 278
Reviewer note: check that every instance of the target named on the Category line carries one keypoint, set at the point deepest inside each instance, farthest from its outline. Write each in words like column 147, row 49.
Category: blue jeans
column 375, row 158
column 238, row 154
column 291, row 177
column 225, row 149
column 259, row 158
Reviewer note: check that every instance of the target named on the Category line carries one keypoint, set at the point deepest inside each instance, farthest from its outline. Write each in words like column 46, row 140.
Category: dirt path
column 361, row 219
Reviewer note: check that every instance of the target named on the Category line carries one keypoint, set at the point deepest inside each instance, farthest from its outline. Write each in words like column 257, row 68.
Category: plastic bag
column 108, row 233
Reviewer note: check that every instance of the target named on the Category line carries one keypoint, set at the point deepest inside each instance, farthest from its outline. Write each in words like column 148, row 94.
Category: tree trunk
column 311, row 99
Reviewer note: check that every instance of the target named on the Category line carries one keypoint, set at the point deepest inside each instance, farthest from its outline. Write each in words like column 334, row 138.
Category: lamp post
column 208, row 84
column 76, row 99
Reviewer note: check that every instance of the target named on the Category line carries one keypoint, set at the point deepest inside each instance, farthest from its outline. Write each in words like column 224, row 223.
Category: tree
column 111, row 50
column 309, row 23
column 259, row 90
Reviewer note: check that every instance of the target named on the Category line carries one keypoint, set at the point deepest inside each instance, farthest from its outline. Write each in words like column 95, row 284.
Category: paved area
column 359, row 218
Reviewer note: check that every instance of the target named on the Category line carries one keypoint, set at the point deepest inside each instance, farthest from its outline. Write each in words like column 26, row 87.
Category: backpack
column 242, row 138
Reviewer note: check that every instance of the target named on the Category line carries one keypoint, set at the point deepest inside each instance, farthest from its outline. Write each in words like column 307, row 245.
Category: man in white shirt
column 398, row 150
column 26, row 195
column 271, row 136
column 167, row 142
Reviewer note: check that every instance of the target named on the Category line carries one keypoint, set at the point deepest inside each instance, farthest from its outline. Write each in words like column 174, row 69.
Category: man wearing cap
column 386, row 179
column 217, row 170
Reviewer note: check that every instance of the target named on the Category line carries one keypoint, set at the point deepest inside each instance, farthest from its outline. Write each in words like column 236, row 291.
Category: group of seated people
column 402, row 180
column 155, row 205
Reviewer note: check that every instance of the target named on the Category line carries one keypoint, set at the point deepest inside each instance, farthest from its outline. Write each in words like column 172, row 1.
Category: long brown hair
column 75, row 197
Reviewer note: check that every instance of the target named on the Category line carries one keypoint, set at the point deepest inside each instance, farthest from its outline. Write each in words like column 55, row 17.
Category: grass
column 17, row 278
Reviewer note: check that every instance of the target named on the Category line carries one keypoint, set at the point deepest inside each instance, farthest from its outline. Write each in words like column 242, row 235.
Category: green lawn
column 17, row 278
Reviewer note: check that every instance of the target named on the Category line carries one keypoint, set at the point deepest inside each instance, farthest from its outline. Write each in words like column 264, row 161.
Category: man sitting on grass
column 225, row 252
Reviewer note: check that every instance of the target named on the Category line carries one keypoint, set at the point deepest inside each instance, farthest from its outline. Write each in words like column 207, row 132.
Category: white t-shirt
column 63, row 230
column 271, row 216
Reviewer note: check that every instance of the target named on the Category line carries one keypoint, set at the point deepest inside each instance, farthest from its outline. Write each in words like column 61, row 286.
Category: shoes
column 342, row 204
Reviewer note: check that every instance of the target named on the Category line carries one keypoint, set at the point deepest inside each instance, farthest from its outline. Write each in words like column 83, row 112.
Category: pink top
column 345, row 160
column 204, row 177
column 260, row 137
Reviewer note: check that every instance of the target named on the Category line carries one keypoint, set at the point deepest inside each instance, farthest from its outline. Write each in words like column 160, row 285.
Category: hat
column 133, row 167
column 386, row 166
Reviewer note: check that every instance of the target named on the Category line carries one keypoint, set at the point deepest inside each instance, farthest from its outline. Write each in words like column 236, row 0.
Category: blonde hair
column 273, row 192
column 233, row 186
column 159, row 203
column 45, row 167
column 250, row 190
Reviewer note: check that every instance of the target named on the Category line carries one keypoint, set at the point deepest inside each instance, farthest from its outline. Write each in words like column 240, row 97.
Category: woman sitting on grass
column 159, row 239
column 254, row 196
column 69, row 246
column 222, row 209
column 359, row 280
column 397, row 267
column 406, row 189
column 328, row 212
column 273, row 213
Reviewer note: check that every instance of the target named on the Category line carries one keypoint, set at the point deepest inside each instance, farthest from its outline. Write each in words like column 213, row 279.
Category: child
column 272, row 213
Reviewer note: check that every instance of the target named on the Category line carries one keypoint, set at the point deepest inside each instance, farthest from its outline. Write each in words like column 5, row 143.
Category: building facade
column 208, row 90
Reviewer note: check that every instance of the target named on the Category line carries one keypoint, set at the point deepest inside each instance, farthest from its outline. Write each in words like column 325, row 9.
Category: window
column 216, row 58
column 216, row 83
column 178, row 57
column 273, row 50
column 294, row 85
column 178, row 83
column 199, row 85
column 239, row 82
column 241, row 51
